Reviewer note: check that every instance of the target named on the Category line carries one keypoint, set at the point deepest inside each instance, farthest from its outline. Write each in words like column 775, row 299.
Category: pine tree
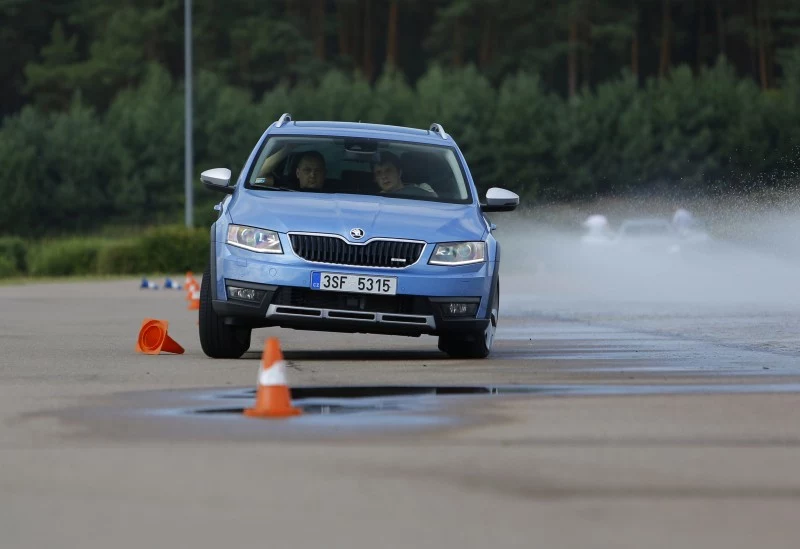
column 51, row 82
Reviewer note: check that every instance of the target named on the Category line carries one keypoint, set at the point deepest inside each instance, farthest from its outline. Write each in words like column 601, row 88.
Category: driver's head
column 387, row 172
column 311, row 170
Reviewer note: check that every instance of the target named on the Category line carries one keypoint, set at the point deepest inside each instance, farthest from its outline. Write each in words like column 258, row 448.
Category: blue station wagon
column 352, row 227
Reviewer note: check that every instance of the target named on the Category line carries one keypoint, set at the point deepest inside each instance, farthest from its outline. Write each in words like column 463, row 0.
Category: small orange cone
column 153, row 338
column 194, row 300
column 273, row 398
column 191, row 287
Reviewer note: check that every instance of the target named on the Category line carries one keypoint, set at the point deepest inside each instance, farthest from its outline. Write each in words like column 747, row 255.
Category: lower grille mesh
column 397, row 304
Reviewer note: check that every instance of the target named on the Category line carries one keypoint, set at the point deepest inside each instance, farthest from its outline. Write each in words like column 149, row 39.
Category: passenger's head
column 387, row 172
column 311, row 170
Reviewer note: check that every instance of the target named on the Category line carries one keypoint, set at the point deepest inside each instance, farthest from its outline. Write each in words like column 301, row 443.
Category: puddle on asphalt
column 397, row 399
column 335, row 412
column 314, row 409
column 347, row 400
column 369, row 392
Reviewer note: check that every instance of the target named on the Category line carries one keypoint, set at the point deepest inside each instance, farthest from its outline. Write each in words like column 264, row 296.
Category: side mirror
column 500, row 200
column 217, row 179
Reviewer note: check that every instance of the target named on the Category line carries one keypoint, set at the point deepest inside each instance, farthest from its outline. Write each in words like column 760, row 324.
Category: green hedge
column 65, row 256
column 174, row 249
column 13, row 256
column 7, row 268
column 166, row 249
column 124, row 257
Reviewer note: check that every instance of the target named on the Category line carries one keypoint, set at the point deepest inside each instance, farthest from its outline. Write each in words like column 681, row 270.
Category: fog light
column 460, row 309
column 245, row 294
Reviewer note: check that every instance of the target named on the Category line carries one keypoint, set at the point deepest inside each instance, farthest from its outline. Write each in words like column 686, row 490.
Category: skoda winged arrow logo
column 357, row 233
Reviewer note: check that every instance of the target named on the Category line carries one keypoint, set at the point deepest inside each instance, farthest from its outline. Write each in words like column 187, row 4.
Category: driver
column 310, row 170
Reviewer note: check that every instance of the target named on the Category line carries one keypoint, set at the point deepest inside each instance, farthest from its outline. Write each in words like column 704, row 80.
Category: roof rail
column 437, row 128
column 285, row 117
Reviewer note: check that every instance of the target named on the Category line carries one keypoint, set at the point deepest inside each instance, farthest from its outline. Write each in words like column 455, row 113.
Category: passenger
column 388, row 174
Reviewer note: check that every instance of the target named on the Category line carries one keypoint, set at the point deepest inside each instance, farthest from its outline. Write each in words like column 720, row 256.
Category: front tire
column 219, row 340
column 476, row 344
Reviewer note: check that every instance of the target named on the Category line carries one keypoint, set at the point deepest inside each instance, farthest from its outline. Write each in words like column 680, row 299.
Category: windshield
column 360, row 166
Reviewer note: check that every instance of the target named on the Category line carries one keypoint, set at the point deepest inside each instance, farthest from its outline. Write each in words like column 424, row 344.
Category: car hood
column 377, row 216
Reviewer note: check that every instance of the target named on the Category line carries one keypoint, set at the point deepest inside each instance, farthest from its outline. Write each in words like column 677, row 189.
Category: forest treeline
column 558, row 100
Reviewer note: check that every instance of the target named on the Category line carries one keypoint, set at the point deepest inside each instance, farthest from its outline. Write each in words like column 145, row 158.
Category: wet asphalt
column 605, row 423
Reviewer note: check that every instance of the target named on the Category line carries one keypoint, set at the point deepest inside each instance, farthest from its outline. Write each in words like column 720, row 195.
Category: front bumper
column 306, row 309
column 289, row 302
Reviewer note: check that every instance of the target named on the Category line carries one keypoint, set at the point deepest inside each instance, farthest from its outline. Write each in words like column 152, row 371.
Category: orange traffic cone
column 194, row 300
column 191, row 286
column 192, row 291
column 153, row 338
column 273, row 398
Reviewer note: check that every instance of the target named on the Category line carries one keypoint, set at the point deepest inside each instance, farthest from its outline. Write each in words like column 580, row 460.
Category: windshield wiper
column 279, row 188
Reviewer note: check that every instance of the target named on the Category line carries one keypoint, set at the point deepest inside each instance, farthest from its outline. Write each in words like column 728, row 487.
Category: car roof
column 361, row 129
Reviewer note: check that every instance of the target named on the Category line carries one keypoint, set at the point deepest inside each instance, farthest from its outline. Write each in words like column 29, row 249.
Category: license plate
column 359, row 284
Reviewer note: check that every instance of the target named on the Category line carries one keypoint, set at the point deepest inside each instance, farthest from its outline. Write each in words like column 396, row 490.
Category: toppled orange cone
column 153, row 338
column 273, row 398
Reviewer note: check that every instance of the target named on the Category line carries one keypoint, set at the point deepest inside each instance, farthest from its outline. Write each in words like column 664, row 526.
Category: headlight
column 458, row 253
column 257, row 240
